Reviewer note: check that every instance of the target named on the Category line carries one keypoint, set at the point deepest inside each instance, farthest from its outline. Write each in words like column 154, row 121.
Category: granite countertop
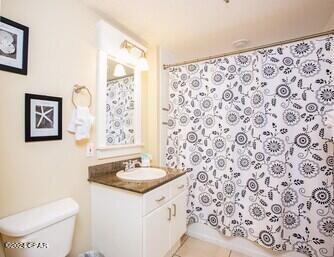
column 106, row 175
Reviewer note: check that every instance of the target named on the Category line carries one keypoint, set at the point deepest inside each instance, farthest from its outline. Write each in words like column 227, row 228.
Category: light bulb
column 142, row 64
column 119, row 70
column 124, row 54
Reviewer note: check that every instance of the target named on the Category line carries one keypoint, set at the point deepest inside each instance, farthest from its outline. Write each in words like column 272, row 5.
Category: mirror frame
column 109, row 40
column 103, row 150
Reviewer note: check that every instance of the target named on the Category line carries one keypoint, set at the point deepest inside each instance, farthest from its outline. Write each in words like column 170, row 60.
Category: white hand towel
column 81, row 123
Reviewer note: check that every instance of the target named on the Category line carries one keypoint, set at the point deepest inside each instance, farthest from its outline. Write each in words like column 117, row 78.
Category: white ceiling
column 197, row 28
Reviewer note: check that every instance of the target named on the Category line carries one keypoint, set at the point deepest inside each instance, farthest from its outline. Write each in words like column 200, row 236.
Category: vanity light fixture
column 119, row 70
column 125, row 55
column 142, row 63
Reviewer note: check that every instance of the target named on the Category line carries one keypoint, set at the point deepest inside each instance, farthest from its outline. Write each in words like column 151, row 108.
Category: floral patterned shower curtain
column 250, row 132
column 120, row 111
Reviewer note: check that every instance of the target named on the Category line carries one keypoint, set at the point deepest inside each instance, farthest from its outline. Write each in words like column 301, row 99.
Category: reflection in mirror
column 120, row 104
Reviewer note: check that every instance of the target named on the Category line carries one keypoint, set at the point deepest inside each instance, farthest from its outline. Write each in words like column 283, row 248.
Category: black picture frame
column 24, row 69
column 29, row 137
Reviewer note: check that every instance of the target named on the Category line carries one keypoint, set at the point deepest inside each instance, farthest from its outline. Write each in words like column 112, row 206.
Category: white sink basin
column 139, row 174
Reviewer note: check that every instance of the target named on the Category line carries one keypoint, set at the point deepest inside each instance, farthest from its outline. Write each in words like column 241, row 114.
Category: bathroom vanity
column 138, row 219
column 130, row 218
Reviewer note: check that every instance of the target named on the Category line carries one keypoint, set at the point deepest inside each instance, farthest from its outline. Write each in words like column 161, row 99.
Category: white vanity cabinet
column 127, row 224
column 178, row 221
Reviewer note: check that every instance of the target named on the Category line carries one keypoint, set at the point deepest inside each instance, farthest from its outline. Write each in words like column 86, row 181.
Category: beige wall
column 62, row 53
column 152, row 113
column 330, row 24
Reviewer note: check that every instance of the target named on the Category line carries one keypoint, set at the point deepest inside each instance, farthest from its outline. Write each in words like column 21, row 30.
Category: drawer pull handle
column 180, row 187
column 169, row 214
column 161, row 199
column 174, row 212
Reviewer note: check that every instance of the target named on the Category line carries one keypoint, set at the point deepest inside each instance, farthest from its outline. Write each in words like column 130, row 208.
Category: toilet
column 39, row 232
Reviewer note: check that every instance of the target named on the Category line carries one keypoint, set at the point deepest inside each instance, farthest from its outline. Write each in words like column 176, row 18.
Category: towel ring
column 77, row 89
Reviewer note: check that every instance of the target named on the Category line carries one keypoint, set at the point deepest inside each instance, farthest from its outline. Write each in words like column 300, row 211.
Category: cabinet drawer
column 178, row 185
column 156, row 198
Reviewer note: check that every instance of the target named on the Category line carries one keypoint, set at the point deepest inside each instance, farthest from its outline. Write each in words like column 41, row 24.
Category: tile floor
column 196, row 248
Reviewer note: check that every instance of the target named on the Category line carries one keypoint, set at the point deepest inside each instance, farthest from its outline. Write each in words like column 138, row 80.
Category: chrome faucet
column 130, row 164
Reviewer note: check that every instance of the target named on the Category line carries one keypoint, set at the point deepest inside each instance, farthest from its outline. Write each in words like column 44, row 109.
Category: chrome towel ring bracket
column 77, row 89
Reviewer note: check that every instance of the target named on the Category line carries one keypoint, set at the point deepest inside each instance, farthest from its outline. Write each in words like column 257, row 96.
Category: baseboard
column 174, row 249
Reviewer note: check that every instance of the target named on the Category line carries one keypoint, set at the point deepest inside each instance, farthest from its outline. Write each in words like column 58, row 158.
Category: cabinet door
column 156, row 232
column 178, row 222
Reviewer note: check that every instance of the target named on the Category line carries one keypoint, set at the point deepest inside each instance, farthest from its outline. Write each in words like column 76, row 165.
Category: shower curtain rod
column 166, row 66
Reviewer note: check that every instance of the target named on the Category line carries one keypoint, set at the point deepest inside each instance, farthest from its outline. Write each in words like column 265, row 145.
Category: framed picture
column 43, row 118
column 13, row 46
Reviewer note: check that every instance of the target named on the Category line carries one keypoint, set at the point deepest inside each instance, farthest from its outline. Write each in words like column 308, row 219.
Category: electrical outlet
column 90, row 150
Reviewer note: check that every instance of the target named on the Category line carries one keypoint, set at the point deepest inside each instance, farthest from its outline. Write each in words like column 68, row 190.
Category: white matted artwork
column 13, row 46
column 44, row 121
column 43, row 118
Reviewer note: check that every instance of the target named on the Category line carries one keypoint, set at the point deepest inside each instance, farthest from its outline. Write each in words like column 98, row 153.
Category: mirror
column 120, row 107
column 118, row 102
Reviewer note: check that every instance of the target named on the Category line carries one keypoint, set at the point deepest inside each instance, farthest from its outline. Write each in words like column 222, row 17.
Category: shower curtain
column 250, row 131
column 120, row 128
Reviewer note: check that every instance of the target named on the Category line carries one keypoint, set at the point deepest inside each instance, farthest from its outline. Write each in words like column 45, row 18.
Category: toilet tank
column 45, row 231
